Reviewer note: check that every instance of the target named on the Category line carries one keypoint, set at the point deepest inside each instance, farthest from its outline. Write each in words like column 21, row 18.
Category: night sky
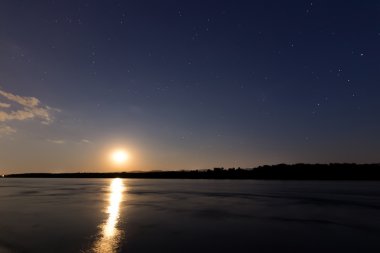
column 187, row 84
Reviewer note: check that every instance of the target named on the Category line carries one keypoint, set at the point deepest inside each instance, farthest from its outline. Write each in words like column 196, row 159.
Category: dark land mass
column 333, row 171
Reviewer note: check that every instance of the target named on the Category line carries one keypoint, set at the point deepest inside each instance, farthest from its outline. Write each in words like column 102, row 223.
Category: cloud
column 6, row 130
column 4, row 105
column 25, row 101
column 62, row 141
column 16, row 115
column 56, row 141
column 31, row 108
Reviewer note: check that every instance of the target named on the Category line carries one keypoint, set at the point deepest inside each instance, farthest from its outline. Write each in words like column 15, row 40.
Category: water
column 147, row 215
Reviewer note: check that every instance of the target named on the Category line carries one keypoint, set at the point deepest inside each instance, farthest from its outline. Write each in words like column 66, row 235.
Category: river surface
column 148, row 215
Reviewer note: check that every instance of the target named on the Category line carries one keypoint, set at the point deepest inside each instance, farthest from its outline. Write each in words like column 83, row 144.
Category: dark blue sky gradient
column 193, row 84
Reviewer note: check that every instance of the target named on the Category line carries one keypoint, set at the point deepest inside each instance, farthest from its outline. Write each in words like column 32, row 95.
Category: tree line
column 332, row 171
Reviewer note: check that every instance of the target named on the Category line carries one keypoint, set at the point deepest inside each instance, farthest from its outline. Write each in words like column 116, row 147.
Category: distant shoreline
column 333, row 171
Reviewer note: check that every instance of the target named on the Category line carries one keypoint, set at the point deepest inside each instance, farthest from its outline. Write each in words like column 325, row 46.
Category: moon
column 119, row 156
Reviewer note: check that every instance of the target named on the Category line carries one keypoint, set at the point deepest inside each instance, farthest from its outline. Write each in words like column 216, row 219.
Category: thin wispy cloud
column 4, row 105
column 56, row 141
column 6, row 130
column 28, row 108
column 25, row 101
column 62, row 141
